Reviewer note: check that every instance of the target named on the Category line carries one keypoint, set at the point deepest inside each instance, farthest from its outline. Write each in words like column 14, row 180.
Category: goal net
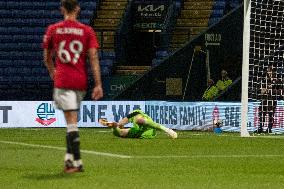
column 263, row 67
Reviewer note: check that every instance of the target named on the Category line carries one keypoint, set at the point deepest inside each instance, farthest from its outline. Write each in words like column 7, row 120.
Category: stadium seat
column 161, row 54
column 107, row 54
column 156, row 62
column 16, row 71
column 22, row 26
column 106, row 62
column 5, row 63
column 105, row 71
column 27, row 39
column 6, row 39
column 219, row 4
column 213, row 21
column 31, row 30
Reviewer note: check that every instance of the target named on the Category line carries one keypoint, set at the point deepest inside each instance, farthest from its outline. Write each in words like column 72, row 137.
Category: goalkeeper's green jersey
column 138, row 130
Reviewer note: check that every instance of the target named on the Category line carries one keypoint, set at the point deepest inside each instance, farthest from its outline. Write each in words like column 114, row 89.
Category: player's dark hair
column 69, row 5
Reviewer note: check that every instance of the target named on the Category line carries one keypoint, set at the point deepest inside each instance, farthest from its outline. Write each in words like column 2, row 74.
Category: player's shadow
column 50, row 176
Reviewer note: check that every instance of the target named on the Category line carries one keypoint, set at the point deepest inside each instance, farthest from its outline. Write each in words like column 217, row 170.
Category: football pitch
column 33, row 159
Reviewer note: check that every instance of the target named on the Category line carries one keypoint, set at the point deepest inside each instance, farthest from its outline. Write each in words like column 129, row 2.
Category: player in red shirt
column 71, row 42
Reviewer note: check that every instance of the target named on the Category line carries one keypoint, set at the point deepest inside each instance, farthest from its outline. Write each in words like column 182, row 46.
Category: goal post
column 245, row 69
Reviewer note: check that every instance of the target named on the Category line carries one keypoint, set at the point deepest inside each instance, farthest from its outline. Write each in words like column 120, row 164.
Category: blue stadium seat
column 32, row 63
column 32, row 30
column 39, row 70
column 22, row 25
column 5, row 63
column 107, row 54
column 219, row 4
column 21, row 55
column 156, row 62
column 27, row 38
column 105, row 71
column 106, row 63
column 20, row 47
column 217, row 13
column 86, row 14
column 21, row 30
column 235, row 3
column 6, row 38
column 161, row 54
column 90, row 5
column 213, row 21
column 10, row 71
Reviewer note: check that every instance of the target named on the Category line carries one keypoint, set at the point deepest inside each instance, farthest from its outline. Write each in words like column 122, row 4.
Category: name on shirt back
column 75, row 31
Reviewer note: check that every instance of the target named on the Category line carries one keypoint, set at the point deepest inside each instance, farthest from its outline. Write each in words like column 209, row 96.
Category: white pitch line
column 208, row 156
column 146, row 157
column 63, row 149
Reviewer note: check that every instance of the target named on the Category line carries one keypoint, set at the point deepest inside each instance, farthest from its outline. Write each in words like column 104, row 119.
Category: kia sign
column 150, row 15
column 151, row 11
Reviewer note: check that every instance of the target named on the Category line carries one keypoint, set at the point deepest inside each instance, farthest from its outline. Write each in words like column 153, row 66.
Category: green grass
column 195, row 160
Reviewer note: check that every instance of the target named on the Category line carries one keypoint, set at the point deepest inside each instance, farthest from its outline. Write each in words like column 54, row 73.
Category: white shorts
column 67, row 99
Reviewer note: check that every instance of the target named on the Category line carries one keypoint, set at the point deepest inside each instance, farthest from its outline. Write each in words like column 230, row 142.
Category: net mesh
column 266, row 64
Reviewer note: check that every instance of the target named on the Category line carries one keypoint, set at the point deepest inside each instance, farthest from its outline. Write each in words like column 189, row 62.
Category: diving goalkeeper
column 143, row 126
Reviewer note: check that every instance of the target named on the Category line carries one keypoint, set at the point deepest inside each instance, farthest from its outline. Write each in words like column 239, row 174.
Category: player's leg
column 150, row 123
column 120, row 132
column 74, row 138
column 271, row 112
column 149, row 134
column 69, row 102
column 261, row 114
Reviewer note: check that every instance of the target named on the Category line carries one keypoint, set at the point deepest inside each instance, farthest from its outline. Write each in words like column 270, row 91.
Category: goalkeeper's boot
column 171, row 133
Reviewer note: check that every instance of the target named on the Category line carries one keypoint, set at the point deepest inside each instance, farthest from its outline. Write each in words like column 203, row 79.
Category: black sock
column 75, row 139
column 69, row 144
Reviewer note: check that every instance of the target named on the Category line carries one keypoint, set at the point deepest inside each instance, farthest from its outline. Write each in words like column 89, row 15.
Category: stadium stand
column 195, row 17
column 106, row 23
column 22, row 25
column 186, row 65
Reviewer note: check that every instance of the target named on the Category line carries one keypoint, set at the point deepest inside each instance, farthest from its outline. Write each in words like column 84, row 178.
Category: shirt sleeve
column 47, row 39
column 93, row 42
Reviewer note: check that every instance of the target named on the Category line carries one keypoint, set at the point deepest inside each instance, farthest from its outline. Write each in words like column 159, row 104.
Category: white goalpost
column 245, row 70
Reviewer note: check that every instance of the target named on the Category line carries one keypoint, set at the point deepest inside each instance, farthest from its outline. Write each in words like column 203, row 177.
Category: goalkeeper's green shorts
column 136, row 132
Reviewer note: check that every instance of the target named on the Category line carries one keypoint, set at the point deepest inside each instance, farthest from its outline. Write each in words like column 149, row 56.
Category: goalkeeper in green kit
column 143, row 126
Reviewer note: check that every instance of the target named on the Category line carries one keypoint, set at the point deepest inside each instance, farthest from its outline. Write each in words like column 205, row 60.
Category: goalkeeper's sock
column 154, row 125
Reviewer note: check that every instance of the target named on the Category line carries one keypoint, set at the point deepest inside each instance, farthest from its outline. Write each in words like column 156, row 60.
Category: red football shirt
column 70, row 40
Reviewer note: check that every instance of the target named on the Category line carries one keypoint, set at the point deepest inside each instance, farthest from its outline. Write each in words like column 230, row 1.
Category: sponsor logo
column 151, row 8
column 45, row 114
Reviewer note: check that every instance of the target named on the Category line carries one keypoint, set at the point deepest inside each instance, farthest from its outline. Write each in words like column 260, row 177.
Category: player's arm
column 95, row 66
column 48, row 62
column 123, row 122
column 47, row 52
column 119, row 124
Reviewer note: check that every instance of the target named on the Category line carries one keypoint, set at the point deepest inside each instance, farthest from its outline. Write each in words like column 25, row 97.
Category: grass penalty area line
column 147, row 157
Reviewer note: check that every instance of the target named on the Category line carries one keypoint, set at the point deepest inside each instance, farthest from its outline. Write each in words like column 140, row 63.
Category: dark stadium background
column 144, row 44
